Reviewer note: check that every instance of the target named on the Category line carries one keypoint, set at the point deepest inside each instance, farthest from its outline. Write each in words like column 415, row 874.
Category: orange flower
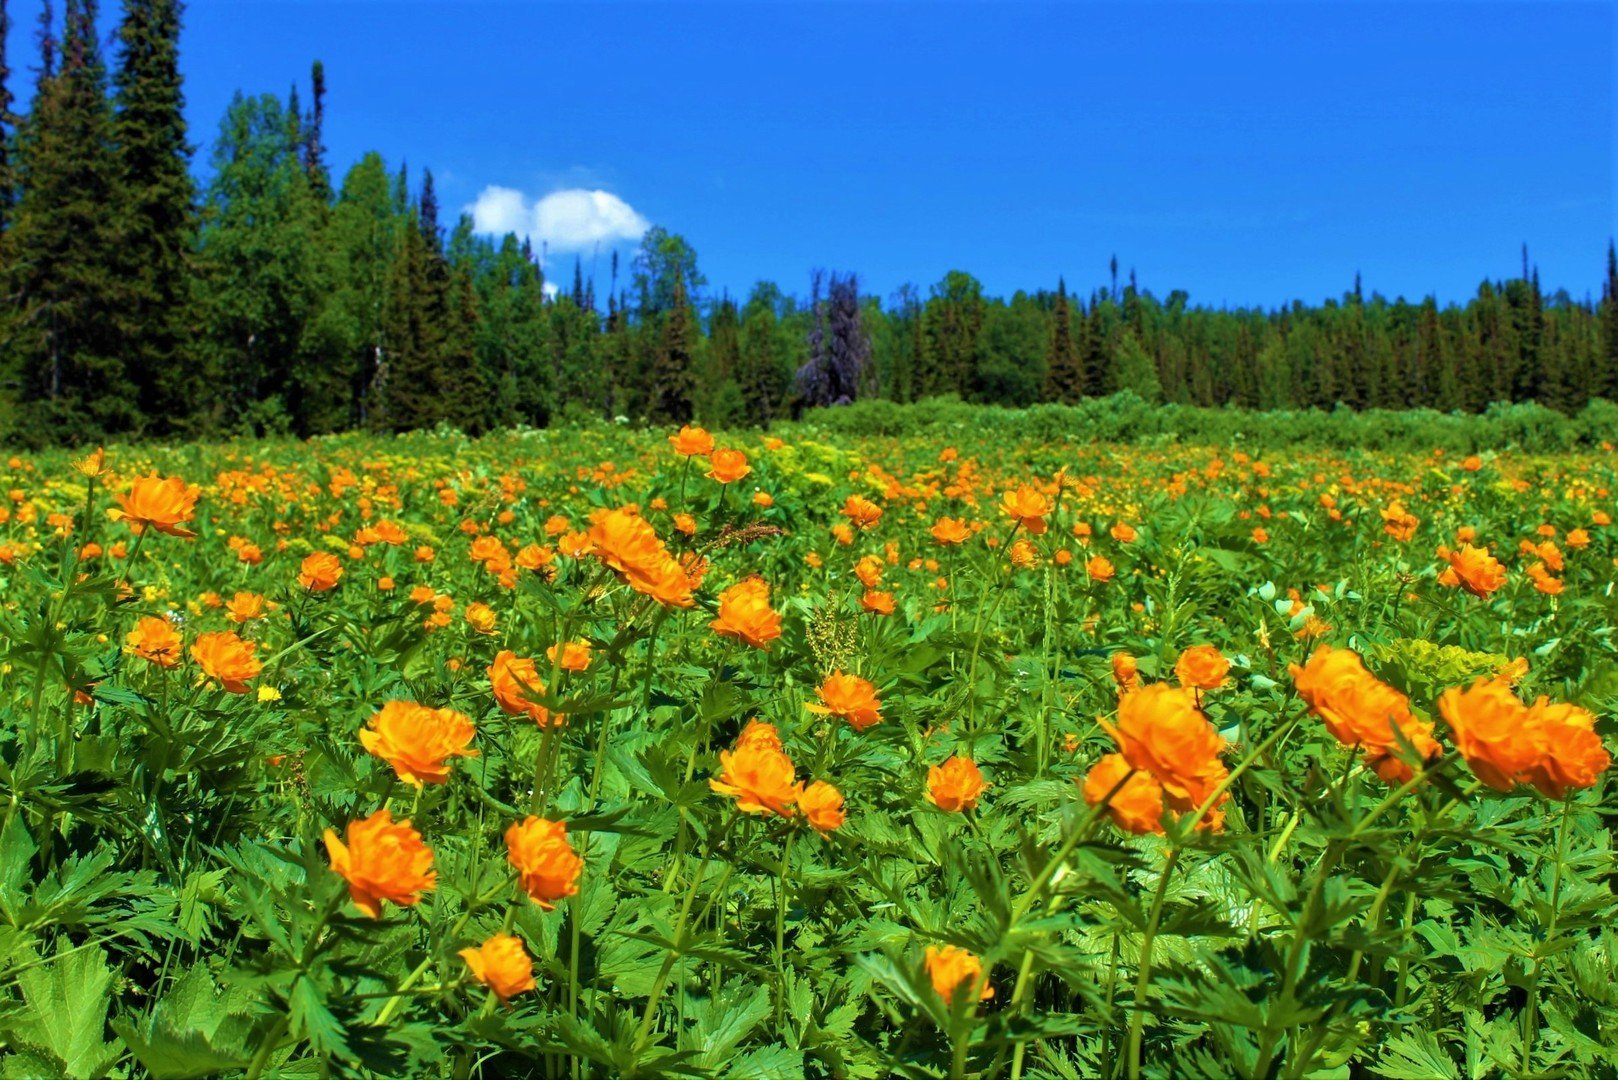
column 1137, row 806
column 156, row 640
column 685, row 524
column 163, row 504
column 1123, row 532
column 501, row 964
column 1360, row 710
column 1161, row 729
column 418, row 741
column 822, row 806
column 745, row 614
column 759, row 776
column 1125, row 672
column 1202, row 667
column 1028, row 507
column 1574, row 756
column 1473, row 569
column 480, row 617
column 628, row 544
column 849, row 697
column 575, row 655
column 1099, row 568
column 728, row 466
column 513, row 679
column 1490, row 730
column 1554, row 747
column 383, row 860
column 759, row 733
column 320, row 571
column 862, row 511
column 955, row 785
column 245, row 607
column 1023, row 554
column 692, row 442
column 227, row 658
column 1398, row 522
column 877, row 602
column 547, row 866
column 954, row 970
column 948, row 530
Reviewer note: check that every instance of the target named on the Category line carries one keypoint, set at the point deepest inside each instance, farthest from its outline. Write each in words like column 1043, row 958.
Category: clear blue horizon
column 1249, row 154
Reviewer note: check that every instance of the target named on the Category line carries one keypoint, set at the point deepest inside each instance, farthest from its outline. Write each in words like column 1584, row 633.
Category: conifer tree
column 8, row 122
column 1064, row 378
column 671, row 377
column 62, row 282
column 1607, row 382
column 155, row 211
column 314, row 149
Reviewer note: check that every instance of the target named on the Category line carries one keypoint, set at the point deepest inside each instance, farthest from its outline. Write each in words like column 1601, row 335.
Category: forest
column 262, row 290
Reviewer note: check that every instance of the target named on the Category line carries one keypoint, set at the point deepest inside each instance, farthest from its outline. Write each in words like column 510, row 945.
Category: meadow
column 617, row 752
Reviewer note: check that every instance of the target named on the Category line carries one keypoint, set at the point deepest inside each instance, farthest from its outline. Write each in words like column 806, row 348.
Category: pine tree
column 156, row 210
column 1064, row 377
column 62, row 278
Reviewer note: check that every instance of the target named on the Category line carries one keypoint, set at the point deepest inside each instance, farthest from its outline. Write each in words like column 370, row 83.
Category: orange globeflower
column 1473, row 569
column 1398, row 522
column 156, row 640
column 1028, row 507
column 480, row 617
column 1099, row 568
column 758, row 775
column 877, row 602
column 245, row 607
column 956, row 785
column 950, row 531
column 628, row 544
column 320, row 571
column 1125, row 672
column 953, row 970
column 163, row 504
column 1161, row 729
column 418, row 741
column 728, row 466
column 383, row 860
column 862, row 511
column 1123, row 532
column 850, row 697
column 745, row 614
column 1490, row 729
column 501, row 964
column 1137, row 806
column 575, row 655
column 1554, row 747
column 692, row 442
column 513, row 678
column 1574, row 756
column 1202, row 667
column 822, row 806
column 1360, row 710
column 227, row 658
column 547, row 866
column 759, row 733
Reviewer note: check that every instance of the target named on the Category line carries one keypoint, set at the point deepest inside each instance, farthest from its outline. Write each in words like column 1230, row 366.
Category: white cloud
column 573, row 219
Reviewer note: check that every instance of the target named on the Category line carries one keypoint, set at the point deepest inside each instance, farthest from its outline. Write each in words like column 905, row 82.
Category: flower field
column 637, row 753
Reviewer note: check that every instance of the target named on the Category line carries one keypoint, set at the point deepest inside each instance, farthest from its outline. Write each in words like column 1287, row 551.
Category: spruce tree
column 671, row 377
column 314, row 150
column 8, row 123
column 62, row 275
column 1064, row 378
column 156, row 209
column 1607, row 382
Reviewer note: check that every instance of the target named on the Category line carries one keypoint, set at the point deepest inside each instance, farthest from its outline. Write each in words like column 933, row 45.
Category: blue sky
column 1248, row 153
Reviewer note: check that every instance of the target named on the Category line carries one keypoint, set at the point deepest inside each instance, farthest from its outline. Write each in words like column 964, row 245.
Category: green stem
column 1143, row 977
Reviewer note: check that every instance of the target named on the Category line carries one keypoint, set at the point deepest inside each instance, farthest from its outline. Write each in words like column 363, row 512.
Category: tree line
column 274, row 299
